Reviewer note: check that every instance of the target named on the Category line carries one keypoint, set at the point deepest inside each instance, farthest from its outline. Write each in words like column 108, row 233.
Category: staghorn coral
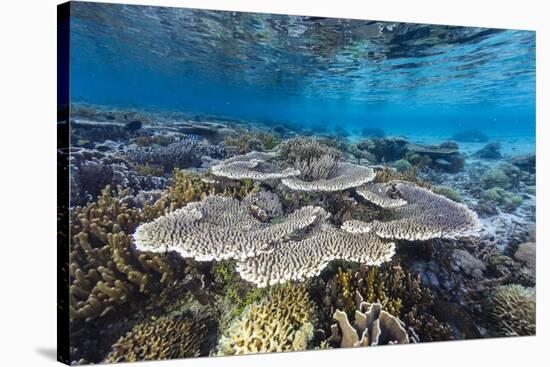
column 298, row 260
column 344, row 176
column 512, row 310
column 372, row 326
column 253, row 166
column 281, row 322
column 165, row 338
column 219, row 228
column 314, row 160
column 182, row 154
column 104, row 270
column 425, row 216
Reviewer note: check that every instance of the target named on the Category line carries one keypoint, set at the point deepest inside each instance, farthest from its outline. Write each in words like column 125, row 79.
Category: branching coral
column 314, row 160
column 512, row 308
column 399, row 292
column 280, row 323
column 165, row 338
column 425, row 216
column 219, row 228
column 344, row 176
column 372, row 326
column 104, row 270
column 254, row 166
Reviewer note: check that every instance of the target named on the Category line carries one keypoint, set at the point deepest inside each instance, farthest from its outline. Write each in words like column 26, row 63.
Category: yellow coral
column 165, row 338
column 282, row 322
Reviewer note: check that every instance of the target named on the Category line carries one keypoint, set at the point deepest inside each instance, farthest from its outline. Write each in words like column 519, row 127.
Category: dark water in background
column 404, row 78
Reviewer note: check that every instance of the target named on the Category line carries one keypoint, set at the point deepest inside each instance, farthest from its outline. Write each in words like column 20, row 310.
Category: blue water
column 405, row 78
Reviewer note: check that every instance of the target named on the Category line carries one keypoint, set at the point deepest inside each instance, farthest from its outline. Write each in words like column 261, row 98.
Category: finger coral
column 425, row 216
column 299, row 260
column 165, row 338
column 372, row 326
column 218, row 228
column 512, row 308
column 254, row 166
column 279, row 323
column 104, row 270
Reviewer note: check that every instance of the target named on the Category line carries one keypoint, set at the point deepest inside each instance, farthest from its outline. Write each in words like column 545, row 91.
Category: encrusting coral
column 425, row 216
column 512, row 309
column 372, row 326
column 281, row 322
column 165, row 338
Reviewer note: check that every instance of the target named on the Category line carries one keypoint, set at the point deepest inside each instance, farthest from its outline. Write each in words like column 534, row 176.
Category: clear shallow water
column 404, row 78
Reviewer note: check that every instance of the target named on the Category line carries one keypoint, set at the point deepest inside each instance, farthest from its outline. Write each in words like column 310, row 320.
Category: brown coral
column 279, row 323
column 165, row 338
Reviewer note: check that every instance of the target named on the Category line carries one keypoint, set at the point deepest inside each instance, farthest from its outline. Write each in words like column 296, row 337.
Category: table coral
column 426, row 215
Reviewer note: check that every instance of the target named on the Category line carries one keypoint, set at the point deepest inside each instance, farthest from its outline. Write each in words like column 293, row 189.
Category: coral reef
column 402, row 165
column 314, row 160
column 505, row 199
column 512, row 309
column 164, row 338
column 387, row 149
column 244, row 143
column 218, row 228
column 448, row 192
column 443, row 157
column 299, row 260
column 526, row 253
column 378, row 194
column 527, row 162
column 373, row 326
column 281, row 322
column 91, row 171
column 490, row 151
column 182, row 154
column 463, row 261
column 470, row 136
column 253, row 166
column 344, row 176
column 105, row 272
column 399, row 292
column 425, row 216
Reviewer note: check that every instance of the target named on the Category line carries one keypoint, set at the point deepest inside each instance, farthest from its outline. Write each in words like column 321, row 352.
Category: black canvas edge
column 63, row 129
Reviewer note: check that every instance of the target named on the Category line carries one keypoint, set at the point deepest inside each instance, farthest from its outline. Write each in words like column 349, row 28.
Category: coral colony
column 204, row 234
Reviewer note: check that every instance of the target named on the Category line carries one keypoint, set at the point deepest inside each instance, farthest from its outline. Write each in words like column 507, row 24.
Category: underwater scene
column 255, row 183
